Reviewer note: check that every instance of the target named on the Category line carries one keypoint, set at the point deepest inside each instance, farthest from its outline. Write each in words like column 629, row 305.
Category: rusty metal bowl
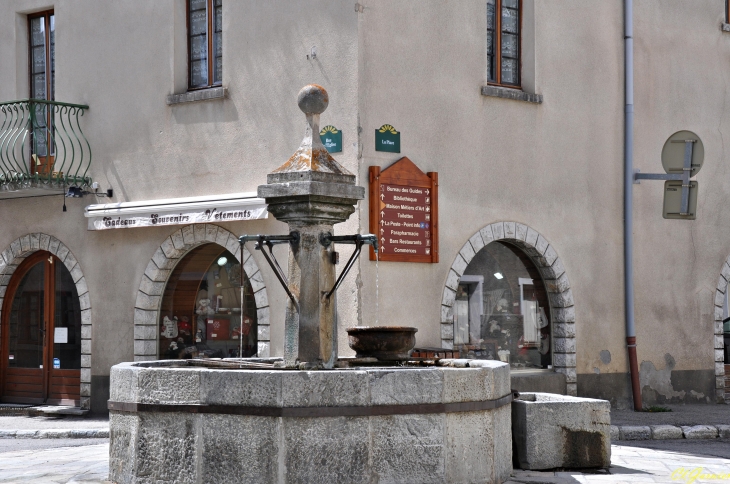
column 386, row 343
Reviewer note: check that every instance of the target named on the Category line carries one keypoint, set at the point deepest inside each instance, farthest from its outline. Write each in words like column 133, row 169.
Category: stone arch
column 26, row 245
column 546, row 259
column 720, row 291
column 154, row 280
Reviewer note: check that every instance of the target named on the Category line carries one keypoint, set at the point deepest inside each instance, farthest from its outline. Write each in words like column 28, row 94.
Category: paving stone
column 700, row 432
column 664, row 432
column 614, row 433
column 629, row 432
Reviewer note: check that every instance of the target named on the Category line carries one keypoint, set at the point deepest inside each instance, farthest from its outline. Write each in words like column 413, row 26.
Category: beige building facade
column 535, row 168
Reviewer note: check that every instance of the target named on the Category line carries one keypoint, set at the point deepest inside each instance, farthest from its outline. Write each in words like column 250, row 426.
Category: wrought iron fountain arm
column 359, row 240
column 269, row 241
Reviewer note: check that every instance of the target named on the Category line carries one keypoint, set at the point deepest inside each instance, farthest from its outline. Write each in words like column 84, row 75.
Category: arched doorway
column 501, row 310
column 208, row 308
column 150, row 310
column 535, row 248
column 41, row 334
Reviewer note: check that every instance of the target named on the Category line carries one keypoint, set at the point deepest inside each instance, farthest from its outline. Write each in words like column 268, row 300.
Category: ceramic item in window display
column 204, row 309
column 503, row 355
column 169, row 327
column 183, row 327
column 199, row 336
column 501, row 306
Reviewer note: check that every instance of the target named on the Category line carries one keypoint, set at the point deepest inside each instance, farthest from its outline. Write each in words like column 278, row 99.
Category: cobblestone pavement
column 637, row 465
column 60, row 465
column 632, row 465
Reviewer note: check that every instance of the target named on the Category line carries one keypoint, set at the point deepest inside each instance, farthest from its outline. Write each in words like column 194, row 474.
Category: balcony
column 43, row 150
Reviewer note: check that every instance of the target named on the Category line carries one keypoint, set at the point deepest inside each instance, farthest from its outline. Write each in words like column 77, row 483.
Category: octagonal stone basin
column 171, row 422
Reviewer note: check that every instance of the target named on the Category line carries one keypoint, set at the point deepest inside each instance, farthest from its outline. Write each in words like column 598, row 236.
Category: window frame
column 497, row 47
column 209, row 32
column 50, row 71
column 42, row 164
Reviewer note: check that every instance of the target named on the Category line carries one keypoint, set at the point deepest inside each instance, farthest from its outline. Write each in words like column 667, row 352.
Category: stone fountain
column 310, row 417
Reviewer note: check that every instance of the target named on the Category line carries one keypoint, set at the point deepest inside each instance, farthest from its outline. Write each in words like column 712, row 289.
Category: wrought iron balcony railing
column 42, row 146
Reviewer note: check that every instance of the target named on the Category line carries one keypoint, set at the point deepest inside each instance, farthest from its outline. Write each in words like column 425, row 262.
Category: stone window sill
column 515, row 94
column 200, row 95
column 725, row 27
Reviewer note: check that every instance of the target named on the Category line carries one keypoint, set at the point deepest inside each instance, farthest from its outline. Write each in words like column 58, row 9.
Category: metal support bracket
column 268, row 241
column 359, row 240
column 683, row 177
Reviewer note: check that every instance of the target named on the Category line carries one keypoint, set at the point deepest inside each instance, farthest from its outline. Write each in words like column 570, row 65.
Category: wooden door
column 41, row 364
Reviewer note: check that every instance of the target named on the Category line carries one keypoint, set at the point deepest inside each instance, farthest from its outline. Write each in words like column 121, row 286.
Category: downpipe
column 628, row 202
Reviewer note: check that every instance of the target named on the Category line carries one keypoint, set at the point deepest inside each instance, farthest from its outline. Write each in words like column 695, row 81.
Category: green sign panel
column 331, row 139
column 387, row 139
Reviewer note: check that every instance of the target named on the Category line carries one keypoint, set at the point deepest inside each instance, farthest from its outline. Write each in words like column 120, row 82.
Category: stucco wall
column 556, row 166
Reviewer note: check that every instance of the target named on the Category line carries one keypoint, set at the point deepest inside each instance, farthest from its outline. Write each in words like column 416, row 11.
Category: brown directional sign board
column 404, row 212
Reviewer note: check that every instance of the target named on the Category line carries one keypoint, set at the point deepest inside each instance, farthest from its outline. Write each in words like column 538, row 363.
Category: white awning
column 176, row 211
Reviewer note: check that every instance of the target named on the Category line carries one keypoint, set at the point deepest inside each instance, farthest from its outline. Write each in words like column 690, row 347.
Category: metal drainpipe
column 628, row 200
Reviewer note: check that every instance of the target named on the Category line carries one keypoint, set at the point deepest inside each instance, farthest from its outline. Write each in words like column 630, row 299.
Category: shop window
column 202, row 311
column 504, row 22
column 501, row 310
column 205, row 43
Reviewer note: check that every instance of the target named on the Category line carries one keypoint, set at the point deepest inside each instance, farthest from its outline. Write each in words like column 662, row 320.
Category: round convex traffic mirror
column 674, row 152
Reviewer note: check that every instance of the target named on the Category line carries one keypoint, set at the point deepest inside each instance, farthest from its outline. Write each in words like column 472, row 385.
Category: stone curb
column 666, row 432
column 55, row 434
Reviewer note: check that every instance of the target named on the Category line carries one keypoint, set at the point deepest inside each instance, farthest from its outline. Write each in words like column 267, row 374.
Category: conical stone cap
column 311, row 187
column 312, row 156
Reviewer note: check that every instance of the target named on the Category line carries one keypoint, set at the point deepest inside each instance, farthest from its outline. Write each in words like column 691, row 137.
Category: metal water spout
column 311, row 192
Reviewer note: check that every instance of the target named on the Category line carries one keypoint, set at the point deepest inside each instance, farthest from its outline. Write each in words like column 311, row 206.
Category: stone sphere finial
column 313, row 99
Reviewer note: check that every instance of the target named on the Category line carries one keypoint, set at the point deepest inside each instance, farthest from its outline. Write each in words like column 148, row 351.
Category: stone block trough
column 171, row 422
column 558, row 431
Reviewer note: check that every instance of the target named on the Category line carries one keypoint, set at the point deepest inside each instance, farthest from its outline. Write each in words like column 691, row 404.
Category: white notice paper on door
column 60, row 335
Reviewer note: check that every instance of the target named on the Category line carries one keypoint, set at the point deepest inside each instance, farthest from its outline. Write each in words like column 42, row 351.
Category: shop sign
column 156, row 217
column 404, row 212
column 387, row 139
column 331, row 139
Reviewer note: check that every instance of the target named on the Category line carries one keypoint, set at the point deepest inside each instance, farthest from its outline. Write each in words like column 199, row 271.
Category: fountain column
column 311, row 192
